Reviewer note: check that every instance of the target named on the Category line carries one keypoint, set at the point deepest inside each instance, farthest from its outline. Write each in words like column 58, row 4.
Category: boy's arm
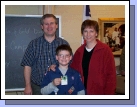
column 80, row 85
column 48, row 89
column 82, row 92
column 47, row 86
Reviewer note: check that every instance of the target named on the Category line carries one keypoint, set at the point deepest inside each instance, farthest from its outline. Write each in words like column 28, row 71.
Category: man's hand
column 52, row 67
column 28, row 90
column 57, row 81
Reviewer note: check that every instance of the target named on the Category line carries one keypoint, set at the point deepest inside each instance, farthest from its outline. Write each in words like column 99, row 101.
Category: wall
column 71, row 16
column 24, row 9
column 71, row 24
column 107, row 11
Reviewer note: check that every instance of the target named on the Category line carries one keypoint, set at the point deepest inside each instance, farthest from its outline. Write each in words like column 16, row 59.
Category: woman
column 95, row 62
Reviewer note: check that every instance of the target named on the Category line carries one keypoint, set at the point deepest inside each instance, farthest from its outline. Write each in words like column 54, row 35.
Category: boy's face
column 63, row 57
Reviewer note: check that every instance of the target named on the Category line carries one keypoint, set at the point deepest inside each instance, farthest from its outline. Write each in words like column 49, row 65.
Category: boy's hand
column 52, row 67
column 57, row 81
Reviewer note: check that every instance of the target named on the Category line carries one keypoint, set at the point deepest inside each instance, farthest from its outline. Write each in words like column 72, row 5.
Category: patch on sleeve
column 71, row 90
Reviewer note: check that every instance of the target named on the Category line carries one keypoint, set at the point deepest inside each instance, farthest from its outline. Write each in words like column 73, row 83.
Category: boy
column 65, row 81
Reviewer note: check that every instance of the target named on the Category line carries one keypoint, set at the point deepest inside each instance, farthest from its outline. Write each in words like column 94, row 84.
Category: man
column 40, row 54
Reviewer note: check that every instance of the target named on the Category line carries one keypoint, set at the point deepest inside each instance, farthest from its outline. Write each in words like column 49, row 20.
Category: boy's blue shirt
column 74, row 80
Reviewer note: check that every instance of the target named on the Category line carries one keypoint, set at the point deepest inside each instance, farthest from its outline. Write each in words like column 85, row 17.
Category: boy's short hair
column 62, row 48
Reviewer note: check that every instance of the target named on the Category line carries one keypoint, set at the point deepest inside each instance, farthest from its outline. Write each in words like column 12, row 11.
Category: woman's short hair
column 91, row 24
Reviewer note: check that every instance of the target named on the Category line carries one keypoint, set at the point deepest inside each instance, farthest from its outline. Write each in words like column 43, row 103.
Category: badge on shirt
column 64, row 80
column 72, row 77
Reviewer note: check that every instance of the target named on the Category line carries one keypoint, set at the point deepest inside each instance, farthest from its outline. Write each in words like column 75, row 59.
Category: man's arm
column 27, row 74
column 27, row 61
